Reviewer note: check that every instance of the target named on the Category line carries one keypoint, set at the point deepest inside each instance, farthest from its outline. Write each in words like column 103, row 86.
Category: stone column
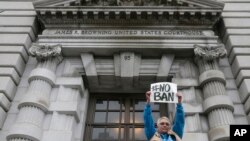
column 35, row 104
column 217, row 104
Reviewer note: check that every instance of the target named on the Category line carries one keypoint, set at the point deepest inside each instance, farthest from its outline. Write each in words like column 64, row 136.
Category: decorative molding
column 57, row 2
column 118, row 3
column 44, row 52
column 128, row 15
column 209, row 53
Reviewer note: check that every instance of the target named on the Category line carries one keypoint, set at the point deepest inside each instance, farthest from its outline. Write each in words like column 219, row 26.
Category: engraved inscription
column 90, row 32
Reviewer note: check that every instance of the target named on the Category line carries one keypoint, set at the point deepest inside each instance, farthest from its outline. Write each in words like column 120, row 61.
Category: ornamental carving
column 44, row 52
column 209, row 53
column 124, row 2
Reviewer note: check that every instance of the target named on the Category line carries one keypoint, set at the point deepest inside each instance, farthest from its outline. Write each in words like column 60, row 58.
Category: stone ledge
column 15, row 13
column 244, row 90
column 247, row 106
column 236, row 22
column 3, row 116
column 18, row 30
column 237, row 6
column 18, row 21
column 237, row 41
column 230, row 32
column 4, row 102
column 69, row 108
column 16, row 5
column 13, row 60
column 240, row 62
column 16, row 40
column 238, row 51
column 7, row 87
column 218, row 101
column 15, row 50
column 71, row 82
column 10, row 72
column 243, row 74
column 240, row 14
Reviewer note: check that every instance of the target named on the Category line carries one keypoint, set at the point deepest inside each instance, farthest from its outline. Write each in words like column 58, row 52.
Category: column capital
column 209, row 53
column 45, row 52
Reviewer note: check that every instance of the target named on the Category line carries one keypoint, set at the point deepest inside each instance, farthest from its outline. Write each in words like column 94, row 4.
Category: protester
column 164, row 131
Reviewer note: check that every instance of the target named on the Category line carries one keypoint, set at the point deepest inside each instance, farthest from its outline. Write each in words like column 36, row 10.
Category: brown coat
column 157, row 136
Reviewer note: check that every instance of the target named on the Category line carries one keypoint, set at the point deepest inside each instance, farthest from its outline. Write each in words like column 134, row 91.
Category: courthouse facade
column 78, row 70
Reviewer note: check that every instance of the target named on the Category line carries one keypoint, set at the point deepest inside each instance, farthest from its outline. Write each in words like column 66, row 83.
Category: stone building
column 78, row 70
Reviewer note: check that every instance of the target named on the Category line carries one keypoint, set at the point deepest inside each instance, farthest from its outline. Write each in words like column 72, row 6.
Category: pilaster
column 217, row 105
column 35, row 104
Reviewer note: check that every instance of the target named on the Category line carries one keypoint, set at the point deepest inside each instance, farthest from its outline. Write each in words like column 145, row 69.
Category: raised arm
column 149, row 125
column 179, row 120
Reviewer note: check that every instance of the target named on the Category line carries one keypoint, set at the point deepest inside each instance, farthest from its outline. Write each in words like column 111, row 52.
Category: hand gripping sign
column 163, row 92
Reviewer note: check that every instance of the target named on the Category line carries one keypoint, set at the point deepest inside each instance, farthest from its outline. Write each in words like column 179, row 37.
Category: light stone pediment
column 164, row 12
column 171, row 3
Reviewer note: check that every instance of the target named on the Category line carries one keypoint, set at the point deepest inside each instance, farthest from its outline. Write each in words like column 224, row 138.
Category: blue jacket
column 178, row 126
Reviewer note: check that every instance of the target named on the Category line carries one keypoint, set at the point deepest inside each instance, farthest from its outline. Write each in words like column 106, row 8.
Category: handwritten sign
column 163, row 92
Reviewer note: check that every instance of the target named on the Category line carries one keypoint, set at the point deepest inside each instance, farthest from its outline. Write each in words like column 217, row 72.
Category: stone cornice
column 135, row 14
column 186, row 3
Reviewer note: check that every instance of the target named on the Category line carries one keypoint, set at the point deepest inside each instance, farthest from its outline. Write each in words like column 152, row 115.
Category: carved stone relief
column 127, row 3
column 209, row 53
column 44, row 52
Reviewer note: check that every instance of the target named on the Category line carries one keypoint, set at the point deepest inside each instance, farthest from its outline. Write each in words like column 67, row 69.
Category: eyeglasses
column 164, row 123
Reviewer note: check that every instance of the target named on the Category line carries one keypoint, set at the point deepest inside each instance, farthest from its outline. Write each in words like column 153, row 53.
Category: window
column 118, row 117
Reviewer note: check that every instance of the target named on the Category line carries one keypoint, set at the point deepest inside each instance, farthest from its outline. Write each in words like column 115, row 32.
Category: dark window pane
column 155, row 106
column 122, row 133
column 140, row 104
column 114, row 105
column 101, row 104
column 131, row 119
column 131, row 133
column 100, row 117
column 139, row 134
column 98, row 133
column 112, row 133
column 138, row 117
column 123, row 117
column 113, row 117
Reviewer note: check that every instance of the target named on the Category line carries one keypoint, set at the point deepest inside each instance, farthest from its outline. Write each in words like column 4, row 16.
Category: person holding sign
column 164, row 131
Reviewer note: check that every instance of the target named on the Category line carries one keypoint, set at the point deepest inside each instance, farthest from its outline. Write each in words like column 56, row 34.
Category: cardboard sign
column 163, row 92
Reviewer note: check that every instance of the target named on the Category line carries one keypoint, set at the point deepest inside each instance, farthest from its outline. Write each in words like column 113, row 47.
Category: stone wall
column 17, row 31
column 235, row 35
